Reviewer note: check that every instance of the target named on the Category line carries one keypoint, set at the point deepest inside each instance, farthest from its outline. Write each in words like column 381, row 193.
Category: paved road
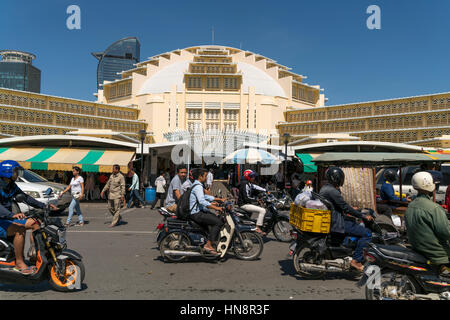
column 124, row 263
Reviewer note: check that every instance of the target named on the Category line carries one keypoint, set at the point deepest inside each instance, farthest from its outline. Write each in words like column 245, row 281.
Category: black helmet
column 390, row 175
column 335, row 176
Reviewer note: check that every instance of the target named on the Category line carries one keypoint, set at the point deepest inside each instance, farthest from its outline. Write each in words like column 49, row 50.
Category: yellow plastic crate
column 310, row 220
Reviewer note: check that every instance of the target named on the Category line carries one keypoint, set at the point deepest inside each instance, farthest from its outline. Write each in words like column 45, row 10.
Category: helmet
column 309, row 183
column 390, row 175
column 8, row 167
column 249, row 174
column 335, row 176
column 423, row 181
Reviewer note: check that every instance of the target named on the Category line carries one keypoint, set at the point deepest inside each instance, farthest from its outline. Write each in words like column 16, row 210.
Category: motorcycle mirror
column 48, row 192
column 21, row 197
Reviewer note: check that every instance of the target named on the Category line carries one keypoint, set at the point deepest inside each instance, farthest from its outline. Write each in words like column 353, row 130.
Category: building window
column 212, row 83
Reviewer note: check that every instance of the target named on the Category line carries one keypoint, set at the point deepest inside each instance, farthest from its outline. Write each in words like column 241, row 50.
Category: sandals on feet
column 26, row 271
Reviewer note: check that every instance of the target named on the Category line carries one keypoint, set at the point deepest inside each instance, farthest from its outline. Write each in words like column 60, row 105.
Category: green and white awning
column 89, row 160
column 306, row 159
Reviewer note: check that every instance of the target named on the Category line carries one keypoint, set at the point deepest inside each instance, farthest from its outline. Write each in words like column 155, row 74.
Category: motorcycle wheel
column 66, row 283
column 174, row 241
column 252, row 247
column 282, row 230
column 305, row 254
column 394, row 286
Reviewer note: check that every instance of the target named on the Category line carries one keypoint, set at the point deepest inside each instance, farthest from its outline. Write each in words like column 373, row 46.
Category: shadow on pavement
column 287, row 266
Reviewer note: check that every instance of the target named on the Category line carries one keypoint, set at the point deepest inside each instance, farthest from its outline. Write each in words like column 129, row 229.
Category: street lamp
column 286, row 141
column 142, row 136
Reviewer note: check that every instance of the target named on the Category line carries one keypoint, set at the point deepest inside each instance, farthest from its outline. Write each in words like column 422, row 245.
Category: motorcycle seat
column 402, row 253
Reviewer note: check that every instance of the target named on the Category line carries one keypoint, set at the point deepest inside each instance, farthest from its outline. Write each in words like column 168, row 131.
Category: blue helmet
column 8, row 167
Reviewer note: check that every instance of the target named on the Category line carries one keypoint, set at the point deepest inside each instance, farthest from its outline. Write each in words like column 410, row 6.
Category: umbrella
column 250, row 156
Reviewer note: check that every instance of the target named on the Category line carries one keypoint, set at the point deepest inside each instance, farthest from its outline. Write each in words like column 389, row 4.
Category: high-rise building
column 118, row 57
column 17, row 71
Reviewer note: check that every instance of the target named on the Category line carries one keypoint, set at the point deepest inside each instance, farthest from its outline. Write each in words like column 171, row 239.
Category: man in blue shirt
column 387, row 189
column 200, row 203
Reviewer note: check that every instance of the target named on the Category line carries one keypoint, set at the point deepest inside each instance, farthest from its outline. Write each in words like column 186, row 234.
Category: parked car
column 34, row 185
column 408, row 190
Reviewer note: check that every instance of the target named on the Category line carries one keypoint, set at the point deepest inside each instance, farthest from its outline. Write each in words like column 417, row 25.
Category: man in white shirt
column 134, row 189
column 160, row 184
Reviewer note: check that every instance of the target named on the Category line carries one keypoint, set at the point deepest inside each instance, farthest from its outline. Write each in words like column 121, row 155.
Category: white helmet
column 423, row 181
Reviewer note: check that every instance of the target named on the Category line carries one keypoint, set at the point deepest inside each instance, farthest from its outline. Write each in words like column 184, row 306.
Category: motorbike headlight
column 33, row 194
column 62, row 236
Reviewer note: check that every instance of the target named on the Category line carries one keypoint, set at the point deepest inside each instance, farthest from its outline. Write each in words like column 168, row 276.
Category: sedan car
column 35, row 190
column 30, row 177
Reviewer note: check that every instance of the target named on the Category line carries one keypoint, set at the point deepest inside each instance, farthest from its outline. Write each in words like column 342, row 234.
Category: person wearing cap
column 426, row 222
column 247, row 202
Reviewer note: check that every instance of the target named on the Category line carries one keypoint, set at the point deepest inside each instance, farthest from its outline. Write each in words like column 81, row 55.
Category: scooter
column 179, row 239
column 61, row 267
column 396, row 273
column 274, row 220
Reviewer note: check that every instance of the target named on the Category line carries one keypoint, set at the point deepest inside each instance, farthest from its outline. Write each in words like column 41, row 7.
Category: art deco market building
column 211, row 88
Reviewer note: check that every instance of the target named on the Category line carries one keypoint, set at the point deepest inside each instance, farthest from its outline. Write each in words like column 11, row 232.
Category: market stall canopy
column 307, row 160
column 90, row 160
column 250, row 156
column 380, row 158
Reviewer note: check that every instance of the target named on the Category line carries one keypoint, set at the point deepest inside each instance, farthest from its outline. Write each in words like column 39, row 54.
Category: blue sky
column 327, row 41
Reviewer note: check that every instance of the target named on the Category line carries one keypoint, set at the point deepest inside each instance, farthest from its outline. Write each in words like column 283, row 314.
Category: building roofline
column 374, row 101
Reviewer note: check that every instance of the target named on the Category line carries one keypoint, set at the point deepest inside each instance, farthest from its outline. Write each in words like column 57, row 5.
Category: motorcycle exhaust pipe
column 182, row 253
column 314, row 267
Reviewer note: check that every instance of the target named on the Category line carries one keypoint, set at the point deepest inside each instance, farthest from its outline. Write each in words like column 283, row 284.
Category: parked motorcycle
column 396, row 273
column 179, row 239
column 274, row 220
column 63, row 268
column 315, row 254
column 283, row 201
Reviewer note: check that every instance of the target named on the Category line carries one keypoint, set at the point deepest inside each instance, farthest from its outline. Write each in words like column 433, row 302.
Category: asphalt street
column 124, row 263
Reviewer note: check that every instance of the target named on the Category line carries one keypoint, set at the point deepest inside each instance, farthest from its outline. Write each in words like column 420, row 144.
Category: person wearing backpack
column 199, row 204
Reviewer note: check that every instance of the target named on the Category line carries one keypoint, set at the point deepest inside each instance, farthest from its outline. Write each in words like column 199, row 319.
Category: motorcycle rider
column 427, row 225
column 246, row 200
column 16, row 224
column 342, row 222
column 200, row 213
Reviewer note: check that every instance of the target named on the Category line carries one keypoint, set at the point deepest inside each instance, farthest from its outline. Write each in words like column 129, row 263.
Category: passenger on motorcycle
column 343, row 222
column 427, row 224
column 200, row 213
column 15, row 224
column 246, row 201
column 387, row 189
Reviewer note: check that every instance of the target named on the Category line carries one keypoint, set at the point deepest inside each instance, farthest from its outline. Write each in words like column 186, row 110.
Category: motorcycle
column 315, row 254
column 61, row 267
column 274, row 220
column 396, row 273
column 283, row 201
column 179, row 239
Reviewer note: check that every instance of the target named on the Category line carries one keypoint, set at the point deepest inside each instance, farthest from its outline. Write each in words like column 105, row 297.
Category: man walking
column 160, row 184
column 134, row 190
column 116, row 188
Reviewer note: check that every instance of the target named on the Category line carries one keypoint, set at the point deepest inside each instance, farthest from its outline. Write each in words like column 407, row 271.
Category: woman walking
column 77, row 190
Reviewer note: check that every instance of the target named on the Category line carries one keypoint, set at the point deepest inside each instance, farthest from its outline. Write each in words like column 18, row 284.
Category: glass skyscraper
column 17, row 71
column 118, row 57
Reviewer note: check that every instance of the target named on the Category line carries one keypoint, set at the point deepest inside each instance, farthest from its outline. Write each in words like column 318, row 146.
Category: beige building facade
column 211, row 87
column 412, row 120
column 26, row 114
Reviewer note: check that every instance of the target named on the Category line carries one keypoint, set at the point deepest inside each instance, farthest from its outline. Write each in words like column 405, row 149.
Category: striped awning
column 64, row 159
